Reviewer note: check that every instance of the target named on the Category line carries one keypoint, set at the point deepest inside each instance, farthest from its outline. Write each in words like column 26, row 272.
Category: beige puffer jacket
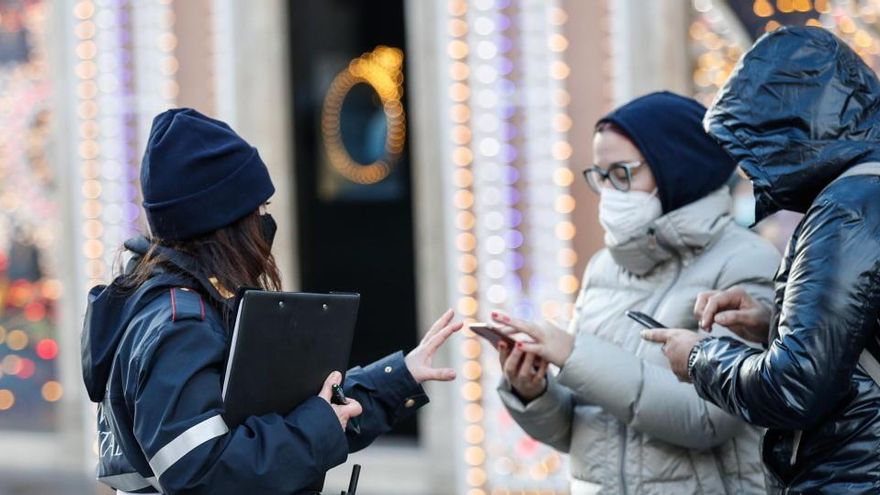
column 629, row 425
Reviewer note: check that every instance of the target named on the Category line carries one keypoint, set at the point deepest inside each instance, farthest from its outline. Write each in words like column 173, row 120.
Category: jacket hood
column 799, row 109
column 110, row 309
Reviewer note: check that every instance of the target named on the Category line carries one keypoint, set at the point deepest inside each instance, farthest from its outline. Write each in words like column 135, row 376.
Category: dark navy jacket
column 153, row 359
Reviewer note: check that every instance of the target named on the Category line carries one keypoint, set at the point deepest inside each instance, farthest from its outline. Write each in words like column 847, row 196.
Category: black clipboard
column 283, row 347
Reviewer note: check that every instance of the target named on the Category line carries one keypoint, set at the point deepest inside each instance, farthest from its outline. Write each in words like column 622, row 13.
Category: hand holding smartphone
column 492, row 334
column 644, row 320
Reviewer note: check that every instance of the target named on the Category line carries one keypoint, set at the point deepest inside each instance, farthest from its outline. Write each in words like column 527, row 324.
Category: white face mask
column 626, row 215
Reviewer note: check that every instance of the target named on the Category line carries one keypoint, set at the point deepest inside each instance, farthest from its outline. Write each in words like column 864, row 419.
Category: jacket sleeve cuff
column 317, row 420
column 546, row 403
column 397, row 385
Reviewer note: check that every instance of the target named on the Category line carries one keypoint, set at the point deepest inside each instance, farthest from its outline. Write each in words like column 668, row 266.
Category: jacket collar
column 678, row 234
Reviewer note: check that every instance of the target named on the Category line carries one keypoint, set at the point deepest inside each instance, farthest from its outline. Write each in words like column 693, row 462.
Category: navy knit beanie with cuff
column 667, row 128
column 198, row 175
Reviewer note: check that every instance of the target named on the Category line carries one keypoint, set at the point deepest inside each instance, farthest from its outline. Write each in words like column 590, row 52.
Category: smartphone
column 644, row 320
column 492, row 334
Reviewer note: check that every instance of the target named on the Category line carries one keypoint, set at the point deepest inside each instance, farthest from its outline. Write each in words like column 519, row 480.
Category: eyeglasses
column 619, row 173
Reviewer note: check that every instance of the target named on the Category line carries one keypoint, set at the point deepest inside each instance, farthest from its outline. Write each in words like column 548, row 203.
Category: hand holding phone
column 492, row 334
column 644, row 320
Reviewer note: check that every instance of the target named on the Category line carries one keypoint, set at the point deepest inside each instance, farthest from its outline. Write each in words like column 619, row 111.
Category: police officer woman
column 155, row 339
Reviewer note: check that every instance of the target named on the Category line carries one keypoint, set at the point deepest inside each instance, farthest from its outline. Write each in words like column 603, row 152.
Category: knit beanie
column 667, row 129
column 198, row 175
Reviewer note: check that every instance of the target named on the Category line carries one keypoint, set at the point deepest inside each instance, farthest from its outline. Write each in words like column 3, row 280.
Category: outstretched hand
column 549, row 342
column 419, row 361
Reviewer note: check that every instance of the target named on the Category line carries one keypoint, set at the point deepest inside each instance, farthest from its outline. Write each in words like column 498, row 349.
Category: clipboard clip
column 353, row 482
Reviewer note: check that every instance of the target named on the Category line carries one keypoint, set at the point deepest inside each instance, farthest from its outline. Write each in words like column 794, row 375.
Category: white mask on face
column 626, row 215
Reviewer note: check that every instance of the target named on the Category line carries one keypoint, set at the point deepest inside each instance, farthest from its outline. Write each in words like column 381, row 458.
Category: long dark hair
column 233, row 256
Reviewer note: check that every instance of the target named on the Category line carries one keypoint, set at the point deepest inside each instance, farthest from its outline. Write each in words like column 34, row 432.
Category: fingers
column 441, row 336
column 326, row 392
column 542, row 370
column 737, row 320
column 351, row 410
column 441, row 322
column 511, row 365
column 730, row 299
column 659, row 335
column 440, row 374
column 519, row 325
column 503, row 353
column 700, row 304
column 527, row 367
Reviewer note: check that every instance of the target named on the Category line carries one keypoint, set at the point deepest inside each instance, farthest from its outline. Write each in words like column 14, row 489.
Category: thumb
column 326, row 392
column 353, row 409
column 439, row 374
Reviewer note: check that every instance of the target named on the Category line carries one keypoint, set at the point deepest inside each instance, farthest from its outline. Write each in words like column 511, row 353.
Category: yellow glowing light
column 474, row 434
column 802, row 5
column 477, row 491
column 93, row 248
column 472, row 370
column 561, row 122
column 470, row 349
column 462, row 177
column 463, row 200
column 476, row 477
column 472, row 391
column 822, row 6
column 91, row 189
column 51, row 290
column 93, row 228
column 467, row 284
column 847, row 25
column 466, row 242
column 11, row 364
column 461, row 135
column 562, row 150
column 862, row 39
column 467, row 306
column 84, row 10
column 565, row 203
column 565, row 230
column 459, row 71
column 86, row 69
column 474, row 456
column 762, row 8
column 52, row 391
column 563, row 177
column 460, row 113
column 561, row 98
column 558, row 16
column 568, row 284
column 86, row 50
column 16, row 340
column 473, row 413
column 85, row 30
column 567, row 257
column 559, row 70
column 459, row 92
column 465, row 220
column 785, row 6
column 457, row 7
column 457, row 28
column 557, row 42
column 95, row 268
column 550, row 310
column 7, row 399
column 382, row 70
column 538, row 472
column 467, row 263
column 462, row 156
column 457, row 49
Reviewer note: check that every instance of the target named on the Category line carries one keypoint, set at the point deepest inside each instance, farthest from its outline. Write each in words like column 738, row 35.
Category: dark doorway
column 352, row 166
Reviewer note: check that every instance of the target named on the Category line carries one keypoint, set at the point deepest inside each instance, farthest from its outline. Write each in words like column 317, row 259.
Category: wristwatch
column 692, row 359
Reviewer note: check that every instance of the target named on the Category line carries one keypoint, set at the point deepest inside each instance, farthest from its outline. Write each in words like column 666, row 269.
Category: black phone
column 644, row 320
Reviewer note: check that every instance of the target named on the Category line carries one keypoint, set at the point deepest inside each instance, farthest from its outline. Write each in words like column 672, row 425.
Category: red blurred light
column 26, row 369
column 35, row 311
column 47, row 349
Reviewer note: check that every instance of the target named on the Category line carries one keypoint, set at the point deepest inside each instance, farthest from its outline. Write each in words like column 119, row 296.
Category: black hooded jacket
column 801, row 109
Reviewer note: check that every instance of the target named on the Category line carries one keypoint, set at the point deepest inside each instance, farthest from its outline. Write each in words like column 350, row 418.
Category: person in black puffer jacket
column 801, row 110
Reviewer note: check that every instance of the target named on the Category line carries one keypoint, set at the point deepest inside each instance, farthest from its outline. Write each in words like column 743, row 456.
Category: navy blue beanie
column 668, row 129
column 198, row 175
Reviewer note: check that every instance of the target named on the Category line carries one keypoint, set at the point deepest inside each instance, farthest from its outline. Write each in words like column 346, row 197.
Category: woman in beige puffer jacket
column 629, row 425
